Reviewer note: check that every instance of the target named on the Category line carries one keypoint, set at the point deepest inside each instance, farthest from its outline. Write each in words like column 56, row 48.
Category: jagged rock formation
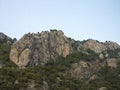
column 45, row 47
column 40, row 48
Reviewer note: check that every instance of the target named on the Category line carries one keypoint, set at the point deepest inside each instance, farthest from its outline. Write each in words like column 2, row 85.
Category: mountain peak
column 40, row 48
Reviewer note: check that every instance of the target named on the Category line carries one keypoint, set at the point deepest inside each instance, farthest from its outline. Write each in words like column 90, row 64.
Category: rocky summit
column 43, row 48
column 40, row 48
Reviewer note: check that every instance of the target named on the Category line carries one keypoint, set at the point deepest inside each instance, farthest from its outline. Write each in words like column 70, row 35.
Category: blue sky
column 79, row 19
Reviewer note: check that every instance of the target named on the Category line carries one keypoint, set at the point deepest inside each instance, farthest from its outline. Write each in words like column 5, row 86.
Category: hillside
column 51, row 61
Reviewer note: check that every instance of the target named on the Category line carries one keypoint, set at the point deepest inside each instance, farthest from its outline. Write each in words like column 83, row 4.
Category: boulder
column 94, row 45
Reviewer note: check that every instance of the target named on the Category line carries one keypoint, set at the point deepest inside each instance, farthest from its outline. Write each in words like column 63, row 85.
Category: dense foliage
column 4, row 51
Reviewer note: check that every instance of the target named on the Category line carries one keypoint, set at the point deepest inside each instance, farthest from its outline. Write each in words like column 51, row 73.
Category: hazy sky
column 79, row 19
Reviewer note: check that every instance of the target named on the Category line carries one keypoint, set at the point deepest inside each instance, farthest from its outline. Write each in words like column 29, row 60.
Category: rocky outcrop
column 112, row 63
column 94, row 45
column 40, row 48
column 85, row 70
column 111, row 45
column 45, row 47
column 102, row 88
column 99, row 47
column 4, row 38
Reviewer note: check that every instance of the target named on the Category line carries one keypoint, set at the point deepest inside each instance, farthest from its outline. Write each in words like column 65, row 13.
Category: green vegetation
column 55, row 78
column 14, row 78
column 4, row 51
column 109, row 78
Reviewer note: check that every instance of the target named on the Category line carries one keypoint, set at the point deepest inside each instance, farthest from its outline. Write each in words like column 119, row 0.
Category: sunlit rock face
column 41, row 48
column 95, row 46
column 44, row 48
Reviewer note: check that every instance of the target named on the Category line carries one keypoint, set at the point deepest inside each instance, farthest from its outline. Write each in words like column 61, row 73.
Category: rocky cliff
column 43, row 48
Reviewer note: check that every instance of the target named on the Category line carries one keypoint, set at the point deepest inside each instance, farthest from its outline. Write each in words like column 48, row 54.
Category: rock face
column 40, row 48
column 85, row 70
column 111, row 45
column 4, row 38
column 95, row 46
column 43, row 48
column 100, row 47
column 112, row 63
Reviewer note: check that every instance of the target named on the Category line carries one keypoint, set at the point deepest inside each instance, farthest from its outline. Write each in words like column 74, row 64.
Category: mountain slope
column 5, row 45
column 56, row 62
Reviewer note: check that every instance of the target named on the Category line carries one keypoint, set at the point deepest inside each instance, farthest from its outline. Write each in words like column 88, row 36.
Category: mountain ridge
column 51, row 44
column 52, row 61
